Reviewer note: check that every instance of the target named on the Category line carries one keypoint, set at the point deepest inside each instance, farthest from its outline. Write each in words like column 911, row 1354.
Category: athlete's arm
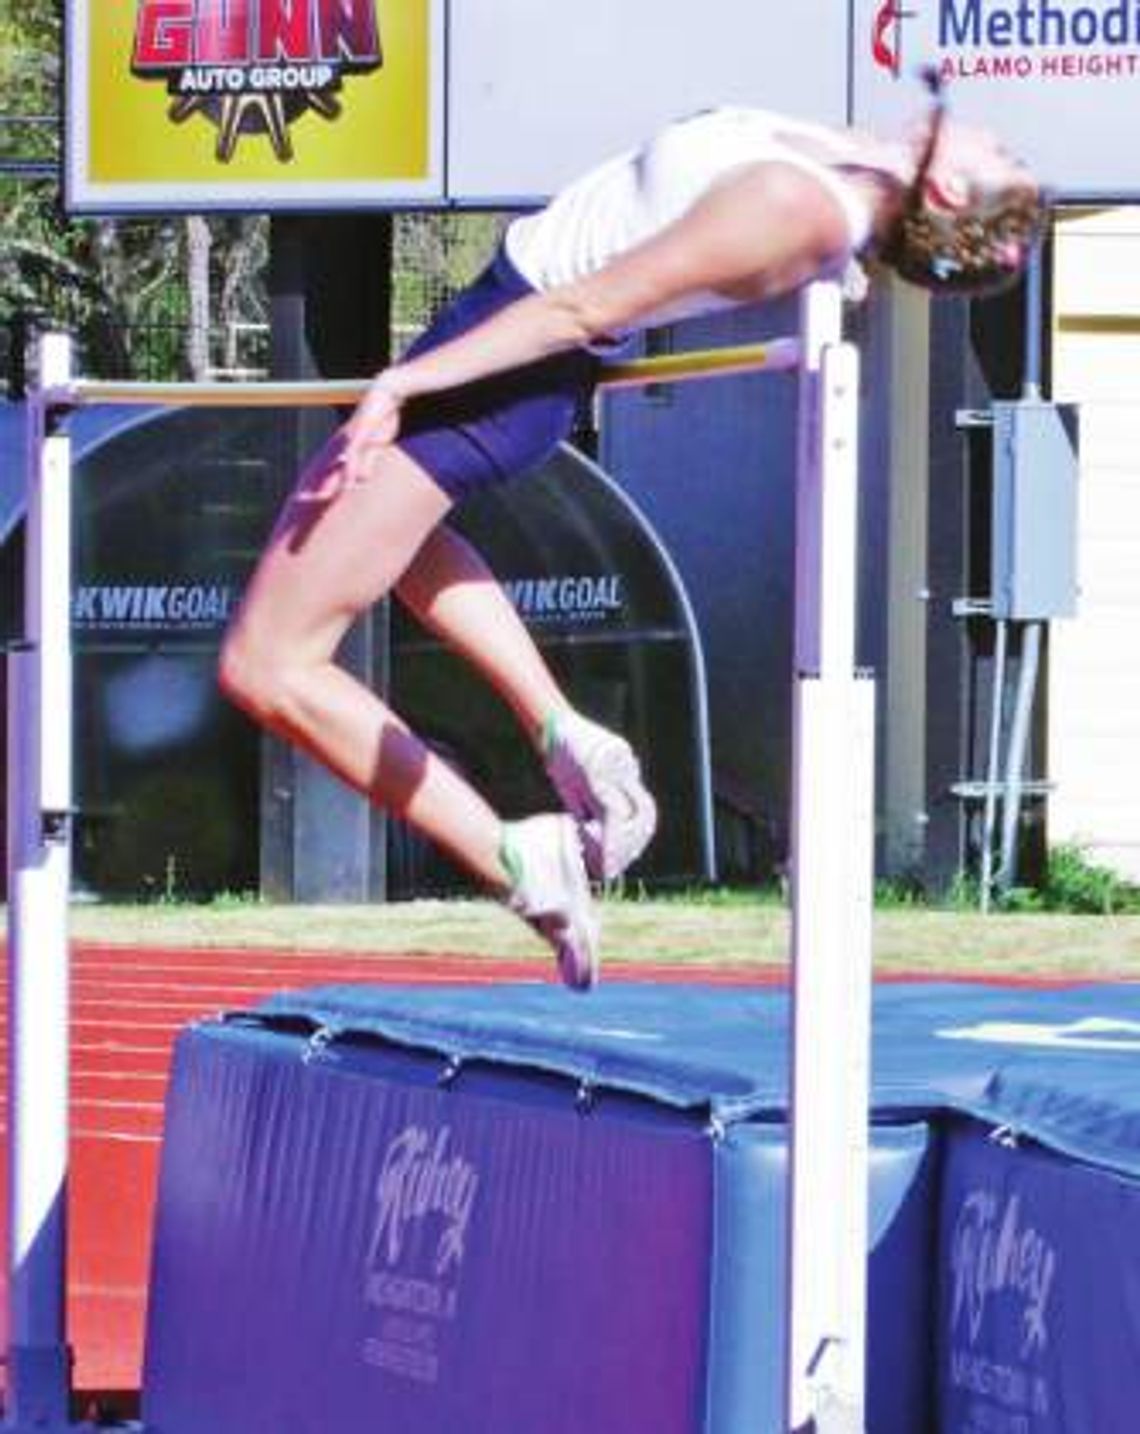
column 763, row 230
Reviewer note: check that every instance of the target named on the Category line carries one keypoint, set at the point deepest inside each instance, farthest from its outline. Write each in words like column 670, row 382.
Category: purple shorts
column 483, row 432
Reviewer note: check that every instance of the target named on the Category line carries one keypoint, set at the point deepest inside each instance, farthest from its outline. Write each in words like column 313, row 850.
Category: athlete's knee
column 238, row 670
column 257, row 676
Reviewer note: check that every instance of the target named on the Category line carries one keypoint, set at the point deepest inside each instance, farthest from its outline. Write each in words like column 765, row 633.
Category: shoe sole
column 576, row 937
column 628, row 816
column 616, row 813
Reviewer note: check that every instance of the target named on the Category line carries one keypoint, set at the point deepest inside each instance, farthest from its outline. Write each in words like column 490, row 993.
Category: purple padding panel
column 343, row 1246
column 1039, row 1293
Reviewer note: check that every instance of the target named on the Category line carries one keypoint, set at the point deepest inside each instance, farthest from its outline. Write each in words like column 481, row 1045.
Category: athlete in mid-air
column 731, row 206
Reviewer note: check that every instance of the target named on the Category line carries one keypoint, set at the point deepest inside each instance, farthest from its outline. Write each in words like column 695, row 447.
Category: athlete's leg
column 451, row 590
column 327, row 562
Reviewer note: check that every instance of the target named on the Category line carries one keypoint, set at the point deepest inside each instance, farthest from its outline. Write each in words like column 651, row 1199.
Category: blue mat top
column 1061, row 1066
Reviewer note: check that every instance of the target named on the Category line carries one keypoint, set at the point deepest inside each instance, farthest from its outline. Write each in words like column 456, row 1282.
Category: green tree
column 29, row 79
column 152, row 298
column 162, row 297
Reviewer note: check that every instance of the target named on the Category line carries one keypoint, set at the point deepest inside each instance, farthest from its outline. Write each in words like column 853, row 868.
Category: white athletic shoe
column 551, row 891
column 598, row 777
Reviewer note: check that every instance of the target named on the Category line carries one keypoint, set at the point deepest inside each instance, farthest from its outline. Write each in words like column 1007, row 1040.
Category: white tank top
column 636, row 194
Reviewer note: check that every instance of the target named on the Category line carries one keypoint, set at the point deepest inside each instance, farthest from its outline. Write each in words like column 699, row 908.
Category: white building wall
column 1094, row 676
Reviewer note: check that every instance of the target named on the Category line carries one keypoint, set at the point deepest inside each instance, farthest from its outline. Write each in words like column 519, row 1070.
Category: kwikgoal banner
column 1056, row 78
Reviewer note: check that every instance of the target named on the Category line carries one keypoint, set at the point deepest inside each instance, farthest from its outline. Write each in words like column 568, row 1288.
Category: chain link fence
column 434, row 256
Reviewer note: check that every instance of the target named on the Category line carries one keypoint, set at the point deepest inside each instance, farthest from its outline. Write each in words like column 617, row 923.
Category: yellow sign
column 253, row 104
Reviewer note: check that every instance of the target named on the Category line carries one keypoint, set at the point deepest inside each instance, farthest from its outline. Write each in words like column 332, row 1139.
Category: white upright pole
column 831, row 886
column 39, row 868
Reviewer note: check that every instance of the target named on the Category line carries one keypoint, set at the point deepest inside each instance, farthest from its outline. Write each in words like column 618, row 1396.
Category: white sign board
column 1058, row 79
column 540, row 90
column 324, row 104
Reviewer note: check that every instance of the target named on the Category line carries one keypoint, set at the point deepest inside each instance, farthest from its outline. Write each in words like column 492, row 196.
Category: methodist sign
column 177, row 104
column 1057, row 79
column 324, row 104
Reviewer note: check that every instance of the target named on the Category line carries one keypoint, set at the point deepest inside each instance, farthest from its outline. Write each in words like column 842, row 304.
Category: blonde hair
column 975, row 250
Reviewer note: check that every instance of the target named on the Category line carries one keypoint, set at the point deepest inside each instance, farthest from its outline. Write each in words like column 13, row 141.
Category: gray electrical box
column 1034, row 564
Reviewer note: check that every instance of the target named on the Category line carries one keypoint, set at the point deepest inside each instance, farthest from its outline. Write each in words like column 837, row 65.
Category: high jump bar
column 772, row 356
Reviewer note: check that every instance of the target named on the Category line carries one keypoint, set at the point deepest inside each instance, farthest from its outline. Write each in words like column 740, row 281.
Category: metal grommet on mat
column 585, row 1097
column 450, row 1073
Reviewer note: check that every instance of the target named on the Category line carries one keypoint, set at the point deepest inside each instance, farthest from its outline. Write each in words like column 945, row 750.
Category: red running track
column 127, row 1007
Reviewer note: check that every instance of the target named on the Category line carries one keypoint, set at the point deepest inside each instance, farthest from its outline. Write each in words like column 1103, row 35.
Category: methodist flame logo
column 254, row 66
column 887, row 35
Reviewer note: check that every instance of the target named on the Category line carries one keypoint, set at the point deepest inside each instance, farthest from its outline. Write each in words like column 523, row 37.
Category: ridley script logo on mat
column 425, row 1199
column 255, row 66
column 997, row 1256
column 1003, row 1271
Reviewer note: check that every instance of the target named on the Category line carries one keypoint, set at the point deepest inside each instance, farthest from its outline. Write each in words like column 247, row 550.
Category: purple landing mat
column 512, row 1211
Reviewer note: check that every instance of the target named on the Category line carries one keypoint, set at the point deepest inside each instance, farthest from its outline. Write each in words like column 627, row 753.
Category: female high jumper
column 728, row 207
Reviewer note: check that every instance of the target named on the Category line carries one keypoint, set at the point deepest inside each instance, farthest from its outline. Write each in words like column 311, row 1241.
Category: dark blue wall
column 712, row 465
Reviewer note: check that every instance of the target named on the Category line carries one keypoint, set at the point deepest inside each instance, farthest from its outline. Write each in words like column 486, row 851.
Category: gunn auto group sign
column 1056, row 78
column 253, row 103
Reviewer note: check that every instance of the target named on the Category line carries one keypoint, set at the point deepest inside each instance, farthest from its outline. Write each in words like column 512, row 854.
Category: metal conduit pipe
column 1019, row 734
column 1030, row 661
column 993, row 764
